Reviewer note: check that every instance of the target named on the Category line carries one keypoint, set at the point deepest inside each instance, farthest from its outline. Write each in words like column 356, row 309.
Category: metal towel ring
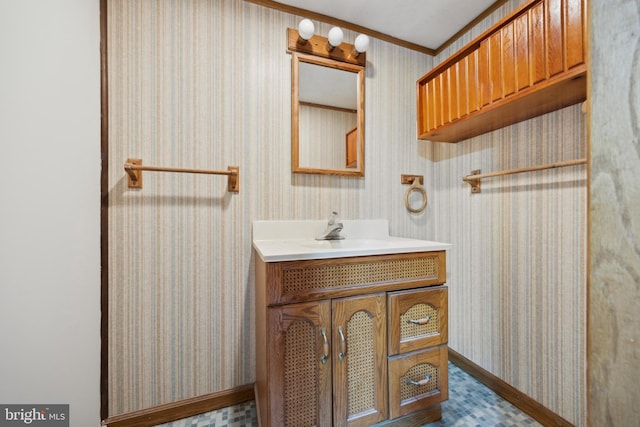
column 415, row 185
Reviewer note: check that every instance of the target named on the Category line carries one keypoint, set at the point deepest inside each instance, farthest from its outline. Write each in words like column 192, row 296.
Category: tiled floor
column 470, row 404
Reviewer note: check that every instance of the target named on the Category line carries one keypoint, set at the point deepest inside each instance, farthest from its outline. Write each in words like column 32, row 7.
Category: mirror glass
column 327, row 116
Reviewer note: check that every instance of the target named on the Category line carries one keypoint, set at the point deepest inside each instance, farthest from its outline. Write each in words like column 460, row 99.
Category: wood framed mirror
column 327, row 116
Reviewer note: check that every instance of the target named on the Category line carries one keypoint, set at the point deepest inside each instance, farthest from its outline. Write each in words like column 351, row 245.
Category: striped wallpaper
column 323, row 136
column 517, row 274
column 206, row 84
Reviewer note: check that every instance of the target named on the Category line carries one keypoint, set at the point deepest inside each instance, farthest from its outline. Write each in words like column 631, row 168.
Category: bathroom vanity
column 349, row 332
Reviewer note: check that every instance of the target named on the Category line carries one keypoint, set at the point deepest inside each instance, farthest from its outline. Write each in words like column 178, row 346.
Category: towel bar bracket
column 475, row 183
column 408, row 179
column 135, row 175
column 233, row 180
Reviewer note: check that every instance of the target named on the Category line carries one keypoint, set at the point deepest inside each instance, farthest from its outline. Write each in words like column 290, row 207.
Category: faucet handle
column 334, row 226
column 333, row 218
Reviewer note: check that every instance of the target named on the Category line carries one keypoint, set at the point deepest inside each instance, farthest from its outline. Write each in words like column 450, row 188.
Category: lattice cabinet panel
column 297, row 281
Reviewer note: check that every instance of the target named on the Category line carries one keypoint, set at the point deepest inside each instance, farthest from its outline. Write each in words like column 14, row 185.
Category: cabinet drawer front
column 417, row 319
column 299, row 281
column 417, row 381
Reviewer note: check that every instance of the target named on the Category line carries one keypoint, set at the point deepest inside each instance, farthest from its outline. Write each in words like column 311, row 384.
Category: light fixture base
column 317, row 45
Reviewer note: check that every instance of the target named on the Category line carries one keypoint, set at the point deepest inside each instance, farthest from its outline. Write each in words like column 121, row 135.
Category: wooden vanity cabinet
column 324, row 352
column 530, row 63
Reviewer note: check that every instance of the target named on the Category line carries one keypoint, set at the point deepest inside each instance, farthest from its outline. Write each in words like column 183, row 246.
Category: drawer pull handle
column 325, row 346
column 425, row 381
column 419, row 321
column 343, row 344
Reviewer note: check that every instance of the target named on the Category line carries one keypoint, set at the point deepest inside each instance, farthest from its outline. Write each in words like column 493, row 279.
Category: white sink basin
column 295, row 240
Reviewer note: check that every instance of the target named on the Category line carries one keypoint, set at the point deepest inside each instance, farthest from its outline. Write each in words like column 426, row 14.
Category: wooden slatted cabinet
column 530, row 63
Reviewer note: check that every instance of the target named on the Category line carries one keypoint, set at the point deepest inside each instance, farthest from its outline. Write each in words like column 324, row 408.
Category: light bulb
column 362, row 43
column 335, row 37
column 306, row 29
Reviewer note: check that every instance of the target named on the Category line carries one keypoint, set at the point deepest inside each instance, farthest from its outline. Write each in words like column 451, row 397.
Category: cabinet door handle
column 325, row 346
column 423, row 321
column 343, row 344
column 425, row 381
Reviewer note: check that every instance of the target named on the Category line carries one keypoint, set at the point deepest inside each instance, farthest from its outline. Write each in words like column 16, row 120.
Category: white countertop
column 295, row 240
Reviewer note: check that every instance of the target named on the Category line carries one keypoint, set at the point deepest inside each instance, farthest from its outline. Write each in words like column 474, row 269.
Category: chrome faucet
column 334, row 226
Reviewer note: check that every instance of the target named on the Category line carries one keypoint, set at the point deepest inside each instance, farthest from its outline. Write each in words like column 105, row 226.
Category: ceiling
column 328, row 86
column 426, row 23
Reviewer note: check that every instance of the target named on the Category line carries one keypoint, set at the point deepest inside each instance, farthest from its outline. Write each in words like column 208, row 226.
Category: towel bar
column 476, row 176
column 134, row 169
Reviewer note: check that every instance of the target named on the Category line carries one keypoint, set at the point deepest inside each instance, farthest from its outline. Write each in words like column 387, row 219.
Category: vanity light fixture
column 304, row 40
column 305, row 30
column 334, row 38
column 361, row 44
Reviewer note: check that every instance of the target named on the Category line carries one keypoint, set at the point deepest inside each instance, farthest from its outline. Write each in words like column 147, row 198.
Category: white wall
column 50, row 205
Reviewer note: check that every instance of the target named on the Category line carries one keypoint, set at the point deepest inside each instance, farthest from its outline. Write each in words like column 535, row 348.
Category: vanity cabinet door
column 300, row 365
column 359, row 360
